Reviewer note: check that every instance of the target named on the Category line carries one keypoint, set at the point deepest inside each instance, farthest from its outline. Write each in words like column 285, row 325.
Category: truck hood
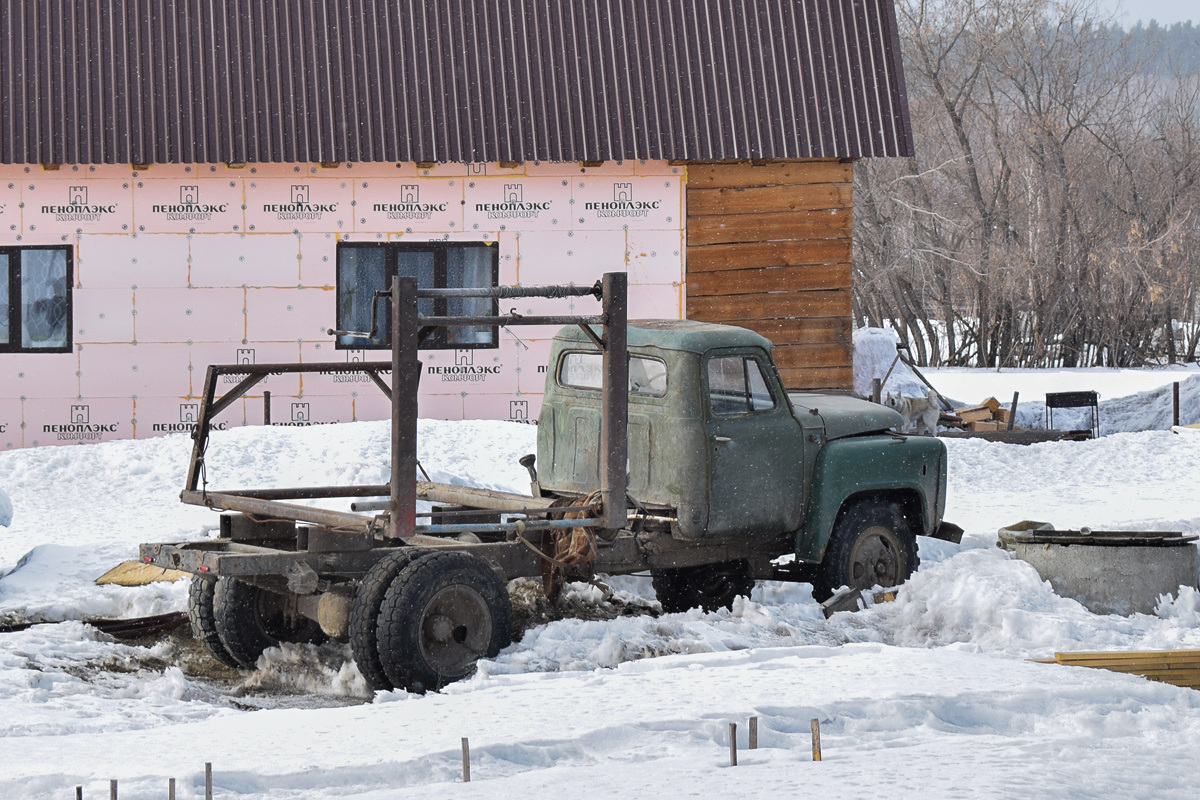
column 845, row 416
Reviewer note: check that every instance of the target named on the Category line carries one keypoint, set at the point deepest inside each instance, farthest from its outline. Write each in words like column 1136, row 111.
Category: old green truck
column 663, row 447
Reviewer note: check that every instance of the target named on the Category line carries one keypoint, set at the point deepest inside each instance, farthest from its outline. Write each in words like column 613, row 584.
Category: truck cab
column 718, row 445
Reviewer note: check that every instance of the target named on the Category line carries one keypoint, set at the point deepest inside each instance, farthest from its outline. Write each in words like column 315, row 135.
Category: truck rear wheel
column 364, row 614
column 871, row 545
column 709, row 587
column 249, row 620
column 442, row 613
column 203, row 622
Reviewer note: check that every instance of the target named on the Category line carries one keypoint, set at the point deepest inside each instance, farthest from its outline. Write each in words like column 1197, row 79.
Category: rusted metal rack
column 349, row 532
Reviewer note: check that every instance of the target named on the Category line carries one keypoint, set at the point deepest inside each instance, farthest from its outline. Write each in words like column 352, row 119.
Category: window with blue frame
column 365, row 268
column 35, row 299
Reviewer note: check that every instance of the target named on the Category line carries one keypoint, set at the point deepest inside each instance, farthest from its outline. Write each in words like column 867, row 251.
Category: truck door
column 756, row 465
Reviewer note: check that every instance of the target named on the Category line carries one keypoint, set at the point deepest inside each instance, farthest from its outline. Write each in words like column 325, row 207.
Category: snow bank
column 874, row 352
column 6, row 510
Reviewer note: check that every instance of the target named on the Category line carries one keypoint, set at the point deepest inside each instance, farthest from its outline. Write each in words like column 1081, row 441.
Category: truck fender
column 908, row 472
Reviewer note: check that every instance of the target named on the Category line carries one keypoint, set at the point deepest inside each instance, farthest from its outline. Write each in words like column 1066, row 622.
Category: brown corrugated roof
column 160, row 81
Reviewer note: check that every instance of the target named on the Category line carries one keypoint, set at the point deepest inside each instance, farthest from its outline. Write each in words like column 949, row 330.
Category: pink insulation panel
column 178, row 267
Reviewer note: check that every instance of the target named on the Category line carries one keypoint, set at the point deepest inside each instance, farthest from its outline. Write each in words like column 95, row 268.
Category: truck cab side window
column 736, row 385
column 35, row 300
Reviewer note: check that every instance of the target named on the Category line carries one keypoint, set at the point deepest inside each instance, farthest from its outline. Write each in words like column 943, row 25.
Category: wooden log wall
column 768, row 248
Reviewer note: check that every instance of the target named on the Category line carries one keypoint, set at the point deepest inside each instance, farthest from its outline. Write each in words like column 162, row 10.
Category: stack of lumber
column 987, row 416
column 1176, row 667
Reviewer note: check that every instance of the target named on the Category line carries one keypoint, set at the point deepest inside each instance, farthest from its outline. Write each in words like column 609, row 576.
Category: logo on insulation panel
column 301, row 412
column 465, row 368
column 300, row 205
column 410, row 205
column 80, row 427
column 77, row 208
column 189, row 208
column 514, row 205
column 623, row 204
column 189, row 419
column 518, row 410
column 245, row 355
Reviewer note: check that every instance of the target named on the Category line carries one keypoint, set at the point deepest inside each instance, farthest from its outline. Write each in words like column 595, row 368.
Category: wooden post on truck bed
column 406, row 366
column 614, row 418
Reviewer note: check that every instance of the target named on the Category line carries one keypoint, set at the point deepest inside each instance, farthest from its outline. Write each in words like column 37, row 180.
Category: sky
column 1165, row 11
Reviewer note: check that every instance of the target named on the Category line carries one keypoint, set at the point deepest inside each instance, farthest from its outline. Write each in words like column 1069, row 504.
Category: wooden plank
column 744, row 307
column 764, row 199
column 810, row 330
column 767, row 227
column 713, row 176
column 817, row 379
column 810, row 356
column 754, row 255
column 807, row 278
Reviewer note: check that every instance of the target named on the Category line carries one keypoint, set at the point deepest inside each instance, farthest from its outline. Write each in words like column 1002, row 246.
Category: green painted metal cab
column 715, row 441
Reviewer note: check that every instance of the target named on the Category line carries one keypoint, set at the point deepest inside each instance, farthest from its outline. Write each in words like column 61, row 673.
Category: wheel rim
column 456, row 626
column 272, row 614
column 877, row 558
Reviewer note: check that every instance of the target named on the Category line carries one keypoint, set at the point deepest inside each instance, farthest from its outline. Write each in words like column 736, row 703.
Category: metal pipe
column 562, row 290
column 406, row 372
column 511, row 319
column 478, row 498
column 276, row 509
column 514, row 527
column 614, row 419
column 308, row 493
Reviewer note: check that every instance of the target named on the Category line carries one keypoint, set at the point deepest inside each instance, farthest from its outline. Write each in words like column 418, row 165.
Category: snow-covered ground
column 932, row 695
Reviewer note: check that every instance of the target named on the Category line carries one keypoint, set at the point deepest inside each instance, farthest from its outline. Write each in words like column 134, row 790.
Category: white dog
column 920, row 413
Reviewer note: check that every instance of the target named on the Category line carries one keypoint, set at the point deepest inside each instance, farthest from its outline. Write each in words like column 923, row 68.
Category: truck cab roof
column 677, row 334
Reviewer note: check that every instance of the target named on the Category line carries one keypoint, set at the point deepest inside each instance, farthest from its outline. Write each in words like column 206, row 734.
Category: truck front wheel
column 709, row 587
column 249, row 620
column 441, row 614
column 871, row 545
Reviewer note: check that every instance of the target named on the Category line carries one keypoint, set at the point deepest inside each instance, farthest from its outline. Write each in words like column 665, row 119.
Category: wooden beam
column 774, row 279
column 764, row 199
column 810, row 330
column 810, row 356
column 745, row 307
column 817, row 379
column 750, row 255
column 714, row 176
column 766, row 227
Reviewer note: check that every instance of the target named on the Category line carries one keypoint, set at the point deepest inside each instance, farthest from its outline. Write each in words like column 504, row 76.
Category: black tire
column 250, row 619
column 203, row 622
column 442, row 613
column 709, row 587
column 364, row 614
column 871, row 545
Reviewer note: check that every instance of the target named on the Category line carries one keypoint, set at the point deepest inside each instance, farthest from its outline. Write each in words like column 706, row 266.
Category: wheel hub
column 876, row 558
column 455, row 630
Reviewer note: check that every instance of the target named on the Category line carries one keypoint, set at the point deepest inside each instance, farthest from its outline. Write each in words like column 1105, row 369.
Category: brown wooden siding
column 768, row 248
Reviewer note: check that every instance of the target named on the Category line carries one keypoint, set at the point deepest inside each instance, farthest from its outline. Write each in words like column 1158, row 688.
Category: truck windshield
column 647, row 376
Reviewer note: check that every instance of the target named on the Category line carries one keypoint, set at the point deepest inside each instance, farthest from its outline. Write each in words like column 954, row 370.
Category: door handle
column 722, row 439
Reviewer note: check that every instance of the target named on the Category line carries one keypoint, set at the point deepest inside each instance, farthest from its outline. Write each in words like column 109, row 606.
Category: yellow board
column 1178, row 667
column 135, row 573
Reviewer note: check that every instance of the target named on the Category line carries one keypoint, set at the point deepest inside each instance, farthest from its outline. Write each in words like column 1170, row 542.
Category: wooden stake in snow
column 733, row 744
column 112, row 789
column 1175, row 404
column 754, row 733
column 207, row 780
column 171, row 789
column 466, row 747
column 816, row 734
column 78, row 793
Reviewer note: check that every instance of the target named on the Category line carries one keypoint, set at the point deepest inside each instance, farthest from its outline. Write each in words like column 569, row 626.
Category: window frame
column 746, row 355
column 440, row 249
column 562, row 362
column 14, row 253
